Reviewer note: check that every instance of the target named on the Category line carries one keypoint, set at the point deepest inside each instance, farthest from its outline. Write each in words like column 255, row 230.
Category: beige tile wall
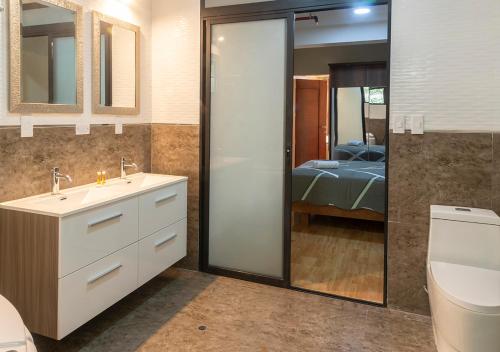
column 26, row 162
column 175, row 151
column 436, row 168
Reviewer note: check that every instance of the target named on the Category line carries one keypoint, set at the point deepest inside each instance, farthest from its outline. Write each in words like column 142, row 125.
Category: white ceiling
column 341, row 27
column 343, row 17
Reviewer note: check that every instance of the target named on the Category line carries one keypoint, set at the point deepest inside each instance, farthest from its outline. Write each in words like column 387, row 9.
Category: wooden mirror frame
column 16, row 104
column 97, row 108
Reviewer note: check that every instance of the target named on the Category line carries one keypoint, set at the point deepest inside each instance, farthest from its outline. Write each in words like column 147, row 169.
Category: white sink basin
column 148, row 180
column 76, row 199
column 98, row 193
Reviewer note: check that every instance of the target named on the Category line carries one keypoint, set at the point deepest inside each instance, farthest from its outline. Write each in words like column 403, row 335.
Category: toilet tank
column 465, row 236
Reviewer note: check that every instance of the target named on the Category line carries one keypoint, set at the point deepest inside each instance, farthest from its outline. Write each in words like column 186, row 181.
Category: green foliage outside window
column 374, row 95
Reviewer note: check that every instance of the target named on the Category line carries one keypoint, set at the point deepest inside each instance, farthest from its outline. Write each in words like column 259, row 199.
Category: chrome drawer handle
column 165, row 240
column 104, row 273
column 162, row 199
column 109, row 218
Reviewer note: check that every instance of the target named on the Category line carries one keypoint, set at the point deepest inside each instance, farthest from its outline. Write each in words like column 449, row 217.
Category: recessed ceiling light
column 362, row 10
column 221, row 39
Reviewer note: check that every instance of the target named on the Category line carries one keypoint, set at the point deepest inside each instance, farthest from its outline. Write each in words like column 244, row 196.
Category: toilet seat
column 13, row 334
column 473, row 288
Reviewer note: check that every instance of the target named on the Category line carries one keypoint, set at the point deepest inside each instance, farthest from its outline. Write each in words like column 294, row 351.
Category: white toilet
column 463, row 279
column 14, row 337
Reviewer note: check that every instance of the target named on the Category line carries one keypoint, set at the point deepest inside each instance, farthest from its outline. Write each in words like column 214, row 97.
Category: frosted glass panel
column 247, row 146
column 215, row 3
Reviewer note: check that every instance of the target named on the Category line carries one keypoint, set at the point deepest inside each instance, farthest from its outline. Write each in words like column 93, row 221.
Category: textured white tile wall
column 176, row 61
column 445, row 63
column 135, row 11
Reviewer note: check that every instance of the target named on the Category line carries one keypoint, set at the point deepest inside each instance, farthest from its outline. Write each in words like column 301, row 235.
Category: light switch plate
column 417, row 124
column 26, row 126
column 82, row 128
column 119, row 128
column 399, row 125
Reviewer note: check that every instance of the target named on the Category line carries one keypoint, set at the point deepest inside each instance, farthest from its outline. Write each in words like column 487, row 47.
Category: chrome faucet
column 56, row 178
column 123, row 166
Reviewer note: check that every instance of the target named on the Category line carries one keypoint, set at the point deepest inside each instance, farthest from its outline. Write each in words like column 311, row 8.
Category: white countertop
column 78, row 199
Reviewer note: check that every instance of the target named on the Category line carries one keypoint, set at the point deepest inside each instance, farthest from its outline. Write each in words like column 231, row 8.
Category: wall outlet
column 82, row 128
column 417, row 124
column 399, row 125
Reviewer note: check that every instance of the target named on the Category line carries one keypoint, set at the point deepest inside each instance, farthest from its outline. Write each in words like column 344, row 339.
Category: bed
column 359, row 153
column 356, row 189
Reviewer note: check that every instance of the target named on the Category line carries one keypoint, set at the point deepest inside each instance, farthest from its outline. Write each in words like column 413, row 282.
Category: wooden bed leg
column 303, row 219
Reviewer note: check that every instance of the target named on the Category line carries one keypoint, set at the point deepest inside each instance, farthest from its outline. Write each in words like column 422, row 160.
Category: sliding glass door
column 247, row 141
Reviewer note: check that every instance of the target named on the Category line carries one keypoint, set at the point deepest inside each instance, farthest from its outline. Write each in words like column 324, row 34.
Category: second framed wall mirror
column 116, row 66
column 46, row 64
column 358, row 115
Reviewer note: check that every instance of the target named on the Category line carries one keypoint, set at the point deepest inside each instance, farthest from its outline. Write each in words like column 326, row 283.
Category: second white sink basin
column 148, row 180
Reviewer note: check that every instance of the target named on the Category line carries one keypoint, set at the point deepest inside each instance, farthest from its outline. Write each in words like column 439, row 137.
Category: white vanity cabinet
column 85, row 260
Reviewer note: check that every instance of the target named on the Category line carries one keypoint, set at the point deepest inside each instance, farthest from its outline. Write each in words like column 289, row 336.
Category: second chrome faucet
column 124, row 166
column 57, row 176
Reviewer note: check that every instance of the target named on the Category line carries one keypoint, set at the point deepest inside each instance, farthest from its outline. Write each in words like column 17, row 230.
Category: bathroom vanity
column 66, row 258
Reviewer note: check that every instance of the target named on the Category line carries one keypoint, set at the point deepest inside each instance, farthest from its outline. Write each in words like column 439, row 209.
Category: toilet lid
column 12, row 330
column 472, row 288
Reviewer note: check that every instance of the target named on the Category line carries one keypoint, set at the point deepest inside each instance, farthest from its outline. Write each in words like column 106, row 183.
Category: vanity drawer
column 94, row 234
column 91, row 290
column 162, row 208
column 161, row 250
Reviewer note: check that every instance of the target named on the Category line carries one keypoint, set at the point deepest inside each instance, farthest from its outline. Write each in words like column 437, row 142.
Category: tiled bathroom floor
column 190, row 311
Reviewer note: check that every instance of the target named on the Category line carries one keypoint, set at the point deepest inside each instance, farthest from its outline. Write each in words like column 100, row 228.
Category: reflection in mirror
column 375, row 116
column 358, row 111
column 48, row 54
column 116, row 64
column 349, row 115
column 339, row 198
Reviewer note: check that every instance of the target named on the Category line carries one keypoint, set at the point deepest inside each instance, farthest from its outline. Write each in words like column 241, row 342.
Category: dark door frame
column 237, row 13
column 205, row 152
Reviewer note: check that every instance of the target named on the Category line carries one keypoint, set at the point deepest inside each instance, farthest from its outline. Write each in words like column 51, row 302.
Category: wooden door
column 311, row 120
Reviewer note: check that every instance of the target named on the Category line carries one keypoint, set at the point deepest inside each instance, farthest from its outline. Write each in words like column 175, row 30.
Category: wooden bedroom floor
column 344, row 257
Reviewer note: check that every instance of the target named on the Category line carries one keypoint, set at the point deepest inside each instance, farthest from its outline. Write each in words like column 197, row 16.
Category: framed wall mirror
column 349, row 116
column 359, row 110
column 116, row 66
column 46, row 62
column 359, row 116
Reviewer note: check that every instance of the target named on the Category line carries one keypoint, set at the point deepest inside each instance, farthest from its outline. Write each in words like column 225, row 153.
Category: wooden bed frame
column 305, row 209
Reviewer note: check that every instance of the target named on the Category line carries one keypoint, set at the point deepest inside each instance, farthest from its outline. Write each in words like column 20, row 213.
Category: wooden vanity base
column 29, row 267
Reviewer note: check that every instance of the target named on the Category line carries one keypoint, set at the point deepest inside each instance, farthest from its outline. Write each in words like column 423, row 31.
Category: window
column 374, row 95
